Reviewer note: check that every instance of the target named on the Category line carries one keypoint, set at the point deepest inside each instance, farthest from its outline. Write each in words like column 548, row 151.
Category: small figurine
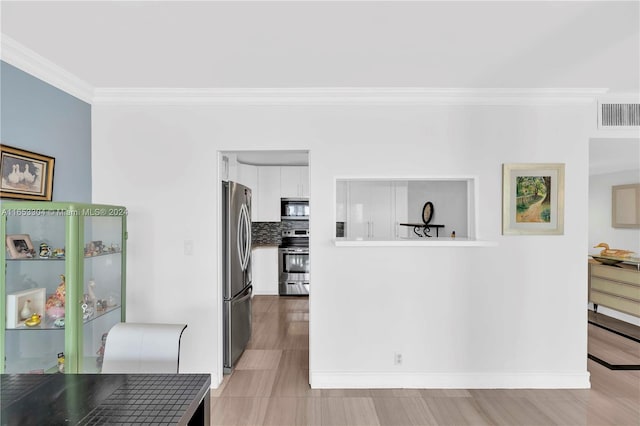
column 58, row 252
column 87, row 311
column 100, row 351
column 111, row 301
column 92, row 294
column 453, row 234
column 25, row 312
column 101, row 305
column 33, row 321
column 45, row 250
column 59, row 322
column 61, row 362
column 613, row 252
column 55, row 302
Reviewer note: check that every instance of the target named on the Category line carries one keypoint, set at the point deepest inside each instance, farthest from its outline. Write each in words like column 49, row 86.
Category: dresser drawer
column 617, row 303
column 619, row 274
column 615, row 288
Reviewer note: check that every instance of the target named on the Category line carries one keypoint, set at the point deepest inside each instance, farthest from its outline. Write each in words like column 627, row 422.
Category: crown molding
column 345, row 96
column 32, row 63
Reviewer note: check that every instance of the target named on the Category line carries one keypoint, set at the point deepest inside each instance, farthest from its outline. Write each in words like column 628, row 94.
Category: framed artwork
column 25, row 175
column 20, row 246
column 533, row 199
column 625, row 206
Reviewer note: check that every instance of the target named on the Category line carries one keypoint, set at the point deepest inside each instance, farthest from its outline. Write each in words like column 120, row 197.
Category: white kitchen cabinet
column 228, row 167
column 370, row 210
column 268, row 206
column 264, row 265
column 294, row 181
column 247, row 175
column 341, row 201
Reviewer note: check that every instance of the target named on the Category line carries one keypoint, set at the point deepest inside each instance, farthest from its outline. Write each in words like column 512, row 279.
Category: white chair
column 143, row 348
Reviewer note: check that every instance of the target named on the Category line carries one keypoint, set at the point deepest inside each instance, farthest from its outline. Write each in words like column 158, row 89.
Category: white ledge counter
column 411, row 242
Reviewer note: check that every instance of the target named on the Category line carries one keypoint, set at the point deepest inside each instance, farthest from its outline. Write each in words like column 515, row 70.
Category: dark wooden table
column 88, row 399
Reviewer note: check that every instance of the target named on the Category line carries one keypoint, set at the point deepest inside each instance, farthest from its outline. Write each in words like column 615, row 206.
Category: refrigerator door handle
column 239, row 238
column 246, row 234
column 245, row 296
column 249, row 242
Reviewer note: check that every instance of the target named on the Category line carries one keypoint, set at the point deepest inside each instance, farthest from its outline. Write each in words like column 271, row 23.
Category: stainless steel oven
column 293, row 263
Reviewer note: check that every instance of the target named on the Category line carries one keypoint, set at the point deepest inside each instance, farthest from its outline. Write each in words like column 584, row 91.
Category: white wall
column 506, row 316
column 600, row 229
column 449, row 200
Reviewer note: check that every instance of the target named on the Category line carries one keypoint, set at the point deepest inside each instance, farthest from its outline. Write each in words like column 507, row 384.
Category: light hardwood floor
column 269, row 386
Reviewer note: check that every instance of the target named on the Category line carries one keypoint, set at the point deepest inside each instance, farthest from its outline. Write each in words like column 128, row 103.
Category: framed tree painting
column 533, row 199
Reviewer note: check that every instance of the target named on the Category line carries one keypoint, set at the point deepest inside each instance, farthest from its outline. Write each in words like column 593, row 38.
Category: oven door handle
column 293, row 250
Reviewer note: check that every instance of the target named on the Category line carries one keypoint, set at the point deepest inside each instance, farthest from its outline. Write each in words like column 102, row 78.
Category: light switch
column 188, row 247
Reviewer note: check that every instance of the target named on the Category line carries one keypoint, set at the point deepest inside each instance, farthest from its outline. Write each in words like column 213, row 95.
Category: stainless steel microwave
column 294, row 208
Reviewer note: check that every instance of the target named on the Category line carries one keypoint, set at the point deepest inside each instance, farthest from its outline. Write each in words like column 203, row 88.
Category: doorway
column 612, row 161
column 271, row 175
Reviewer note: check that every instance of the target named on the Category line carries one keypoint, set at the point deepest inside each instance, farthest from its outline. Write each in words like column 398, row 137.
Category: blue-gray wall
column 38, row 117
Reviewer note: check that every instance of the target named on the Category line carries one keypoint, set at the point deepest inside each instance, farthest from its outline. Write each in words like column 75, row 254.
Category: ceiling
column 239, row 44
column 265, row 44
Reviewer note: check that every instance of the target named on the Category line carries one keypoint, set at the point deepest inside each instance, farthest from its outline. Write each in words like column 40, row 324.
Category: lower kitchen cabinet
column 265, row 270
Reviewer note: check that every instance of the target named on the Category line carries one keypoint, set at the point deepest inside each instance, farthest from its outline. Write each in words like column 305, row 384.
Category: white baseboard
column 371, row 380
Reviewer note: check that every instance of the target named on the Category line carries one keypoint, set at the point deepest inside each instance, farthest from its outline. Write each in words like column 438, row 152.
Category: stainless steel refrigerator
column 236, row 259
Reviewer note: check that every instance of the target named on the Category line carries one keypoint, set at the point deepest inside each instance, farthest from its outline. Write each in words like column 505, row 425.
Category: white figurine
column 92, row 294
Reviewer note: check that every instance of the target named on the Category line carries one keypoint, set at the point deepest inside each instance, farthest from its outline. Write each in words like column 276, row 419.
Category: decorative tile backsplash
column 266, row 233
column 270, row 233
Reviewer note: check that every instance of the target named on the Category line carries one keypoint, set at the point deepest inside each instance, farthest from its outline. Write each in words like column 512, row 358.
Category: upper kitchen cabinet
column 369, row 212
column 269, row 194
column 294, row 181
column 228, row 167
column 247, row 175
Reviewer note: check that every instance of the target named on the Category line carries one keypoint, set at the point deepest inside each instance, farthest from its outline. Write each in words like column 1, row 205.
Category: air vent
column 619, row 115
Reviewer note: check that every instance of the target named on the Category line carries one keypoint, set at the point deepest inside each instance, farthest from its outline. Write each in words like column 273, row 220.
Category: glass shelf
column 102, row 313
column 33, row 259
column 48, row 324
column 111, row 253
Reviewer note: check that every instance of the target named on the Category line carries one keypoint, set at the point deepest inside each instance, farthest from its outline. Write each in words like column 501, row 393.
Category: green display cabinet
column 62, row 284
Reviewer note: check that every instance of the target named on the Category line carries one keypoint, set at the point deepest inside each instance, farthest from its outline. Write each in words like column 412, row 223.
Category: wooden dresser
column 616, row 287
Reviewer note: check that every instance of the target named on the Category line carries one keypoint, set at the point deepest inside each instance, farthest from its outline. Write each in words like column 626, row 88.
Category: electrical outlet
column 397, row 358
